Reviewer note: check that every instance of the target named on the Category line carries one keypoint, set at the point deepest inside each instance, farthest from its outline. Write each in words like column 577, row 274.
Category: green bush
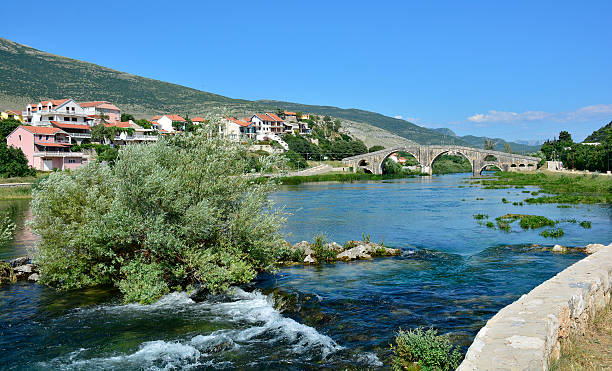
column 174, row 213
column 321, row 252
column 7, row 227
column 427, row 349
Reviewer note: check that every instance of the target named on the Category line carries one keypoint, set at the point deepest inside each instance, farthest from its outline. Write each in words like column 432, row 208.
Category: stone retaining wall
column 525, row 335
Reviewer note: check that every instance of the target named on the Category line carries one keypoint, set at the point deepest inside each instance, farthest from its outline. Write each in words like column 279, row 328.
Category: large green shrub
column 426, row 349
column 13, row 162
column 167, row 216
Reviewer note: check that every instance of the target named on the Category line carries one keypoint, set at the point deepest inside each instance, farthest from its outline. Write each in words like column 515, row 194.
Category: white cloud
column 593, row 112
column 398, row 117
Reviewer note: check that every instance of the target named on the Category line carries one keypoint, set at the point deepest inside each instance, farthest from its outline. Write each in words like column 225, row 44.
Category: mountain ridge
column 30, row 75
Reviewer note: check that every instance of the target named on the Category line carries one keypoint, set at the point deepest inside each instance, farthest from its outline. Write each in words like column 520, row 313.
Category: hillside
column 29, row 75
column 600, row 135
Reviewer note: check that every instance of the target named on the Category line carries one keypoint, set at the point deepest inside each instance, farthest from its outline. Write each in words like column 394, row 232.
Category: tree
column 170, row 215
column 489, row 144
column 7, row 126
column 376, row 148
column 565, row 136
column 507, row 148
column 178, row 125
column 127, row 117
column 143, row 123
column 13, row 162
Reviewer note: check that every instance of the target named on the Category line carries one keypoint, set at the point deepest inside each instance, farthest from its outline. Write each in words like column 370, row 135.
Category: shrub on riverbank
column 167, row 216
column 425, row 349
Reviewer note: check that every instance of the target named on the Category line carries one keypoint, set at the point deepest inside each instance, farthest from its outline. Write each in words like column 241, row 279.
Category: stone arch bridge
column 426, row 155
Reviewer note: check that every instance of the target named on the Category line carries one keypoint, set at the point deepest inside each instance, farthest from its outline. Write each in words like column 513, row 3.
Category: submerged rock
column 594, row 247
column 559, row 248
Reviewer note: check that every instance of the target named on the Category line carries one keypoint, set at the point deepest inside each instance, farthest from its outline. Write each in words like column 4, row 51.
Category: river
column 454, row 274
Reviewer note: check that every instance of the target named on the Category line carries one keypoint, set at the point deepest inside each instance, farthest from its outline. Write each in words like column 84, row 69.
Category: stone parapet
column 526, row 334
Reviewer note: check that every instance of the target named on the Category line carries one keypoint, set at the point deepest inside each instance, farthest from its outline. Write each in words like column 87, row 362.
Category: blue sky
column 515, row 69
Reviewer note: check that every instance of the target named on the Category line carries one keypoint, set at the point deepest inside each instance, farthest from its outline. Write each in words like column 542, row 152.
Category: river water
column 454, row 274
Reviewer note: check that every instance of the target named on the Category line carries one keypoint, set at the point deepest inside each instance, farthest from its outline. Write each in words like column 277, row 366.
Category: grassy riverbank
column 340, row 177
column 593, row 351
column 15, row 193
column 560, row 188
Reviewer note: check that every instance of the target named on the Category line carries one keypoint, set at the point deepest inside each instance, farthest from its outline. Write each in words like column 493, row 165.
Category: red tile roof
column 197, row 119
column 171, row 117
column 274, row 117
column 41, row 129
column 289, row 113
column 124, row 124
column 55, row 102
column 101, row 103
column 49, row 144
column 70, row 126
column 12, row 112
column 239, row 122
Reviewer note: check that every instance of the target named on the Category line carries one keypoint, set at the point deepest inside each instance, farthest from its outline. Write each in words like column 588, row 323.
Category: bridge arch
column 450, row 152
column 410, row 151
column 491, row 164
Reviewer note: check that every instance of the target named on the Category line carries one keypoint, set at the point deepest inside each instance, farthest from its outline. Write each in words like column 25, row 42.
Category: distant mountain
column 28, row 75
column 474, row 141
column 600, row 134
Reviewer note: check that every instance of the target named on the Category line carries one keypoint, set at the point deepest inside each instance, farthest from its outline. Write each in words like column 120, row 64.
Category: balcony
column 136, row 137
column 80, row 135
column 57, row 154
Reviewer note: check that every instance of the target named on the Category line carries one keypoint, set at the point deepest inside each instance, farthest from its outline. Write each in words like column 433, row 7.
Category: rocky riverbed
column 18, row 269
column 318, row 251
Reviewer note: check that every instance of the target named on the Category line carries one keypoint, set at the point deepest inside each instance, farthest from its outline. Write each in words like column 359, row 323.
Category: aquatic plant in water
column 481, row 216
column 585, row 224
column 552, row 233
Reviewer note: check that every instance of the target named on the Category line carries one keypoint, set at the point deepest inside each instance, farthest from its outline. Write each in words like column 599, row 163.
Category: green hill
column 29, row 75
column 600, row 135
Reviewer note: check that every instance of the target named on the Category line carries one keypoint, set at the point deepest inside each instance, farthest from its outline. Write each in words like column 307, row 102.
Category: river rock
column 33, row 277
column 304, row 245
column 199, row 293
column 22, row 260
column 559, row 248
column 334, row 247
column 593, row 248
column 359, row 252
column 309, row 259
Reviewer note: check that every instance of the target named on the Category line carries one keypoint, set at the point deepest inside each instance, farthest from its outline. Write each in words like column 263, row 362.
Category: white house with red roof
column 236, row 129
column 60, row 110
column 46, row 148
column 97, row 109
column 266, row 123
column 164, row 122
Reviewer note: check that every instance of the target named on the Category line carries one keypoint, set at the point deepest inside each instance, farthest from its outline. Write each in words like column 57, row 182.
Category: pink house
column 46, row 148
column 98, row 108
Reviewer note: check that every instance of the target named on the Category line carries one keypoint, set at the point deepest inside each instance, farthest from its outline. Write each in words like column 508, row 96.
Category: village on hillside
column 65, row 134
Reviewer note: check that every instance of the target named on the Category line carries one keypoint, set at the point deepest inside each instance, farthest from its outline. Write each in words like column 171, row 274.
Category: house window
column 19, row 136
column 66, row 118
column 46, row 137
column 74, row 119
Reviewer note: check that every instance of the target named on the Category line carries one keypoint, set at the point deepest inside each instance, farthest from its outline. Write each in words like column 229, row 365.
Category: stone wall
column 525, row 335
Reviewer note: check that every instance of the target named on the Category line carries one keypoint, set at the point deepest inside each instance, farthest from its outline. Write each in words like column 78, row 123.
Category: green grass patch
column 339, row 177
column 15, row 193
column 481, row 216
column 563, row 188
